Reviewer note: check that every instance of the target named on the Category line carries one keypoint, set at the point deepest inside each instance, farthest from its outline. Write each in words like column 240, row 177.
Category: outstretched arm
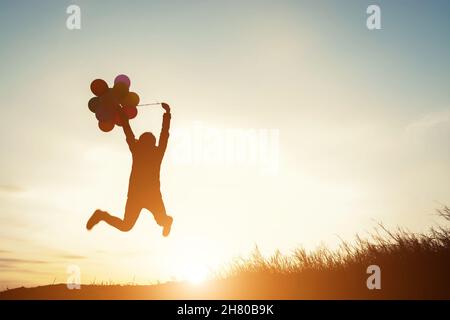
column 127, row 128
column 164, row 136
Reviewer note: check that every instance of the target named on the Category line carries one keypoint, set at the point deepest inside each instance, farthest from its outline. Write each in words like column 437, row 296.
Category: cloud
column 11, row 189
column 429, row 121
column 12, row 261
column 16, row 265
column 71, row 257
column 12, row 269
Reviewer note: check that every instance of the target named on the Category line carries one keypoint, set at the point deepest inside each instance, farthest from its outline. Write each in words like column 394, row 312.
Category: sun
column 195, row 273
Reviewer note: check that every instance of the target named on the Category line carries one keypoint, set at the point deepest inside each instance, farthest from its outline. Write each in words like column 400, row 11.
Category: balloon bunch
column 107, row 102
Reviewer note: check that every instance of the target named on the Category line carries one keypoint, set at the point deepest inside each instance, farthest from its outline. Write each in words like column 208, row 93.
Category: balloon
column 118, row 119
column 99, row 87
column 106, row 126
column 131, row 112
column 109, row 99
column 93, row 104
column 130, row 100
column 104, row 113
column 123, row 79
column 120, row 90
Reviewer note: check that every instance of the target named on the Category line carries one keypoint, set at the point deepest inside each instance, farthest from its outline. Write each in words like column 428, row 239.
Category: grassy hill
column 413, row 266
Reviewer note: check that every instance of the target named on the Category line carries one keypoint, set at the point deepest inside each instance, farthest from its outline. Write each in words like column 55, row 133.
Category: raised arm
column 127, row 128
column 164, row 136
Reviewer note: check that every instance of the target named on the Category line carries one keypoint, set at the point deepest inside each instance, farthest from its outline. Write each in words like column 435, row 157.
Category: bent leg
column 157, row 208
column 132, row 211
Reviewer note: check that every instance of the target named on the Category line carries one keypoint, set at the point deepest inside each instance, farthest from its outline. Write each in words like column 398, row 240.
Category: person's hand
column 166, row 107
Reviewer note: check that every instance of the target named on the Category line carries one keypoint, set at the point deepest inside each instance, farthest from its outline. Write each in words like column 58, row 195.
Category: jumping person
column 144, row 186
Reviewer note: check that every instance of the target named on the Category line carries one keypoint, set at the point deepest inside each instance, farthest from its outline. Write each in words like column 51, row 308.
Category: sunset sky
column 357, row 125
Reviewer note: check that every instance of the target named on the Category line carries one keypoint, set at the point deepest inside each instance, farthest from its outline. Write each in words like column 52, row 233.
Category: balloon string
column 149, row 104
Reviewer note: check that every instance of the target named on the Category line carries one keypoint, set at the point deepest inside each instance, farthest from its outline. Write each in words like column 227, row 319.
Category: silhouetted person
column 144, row 186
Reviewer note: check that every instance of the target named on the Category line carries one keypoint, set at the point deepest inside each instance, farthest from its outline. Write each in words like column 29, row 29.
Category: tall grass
column 412, row 265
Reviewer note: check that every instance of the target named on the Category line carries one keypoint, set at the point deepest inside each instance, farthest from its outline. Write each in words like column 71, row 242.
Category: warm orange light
column 194, row 273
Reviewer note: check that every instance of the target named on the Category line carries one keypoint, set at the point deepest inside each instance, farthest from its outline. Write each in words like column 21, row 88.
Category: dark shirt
column 144, row 177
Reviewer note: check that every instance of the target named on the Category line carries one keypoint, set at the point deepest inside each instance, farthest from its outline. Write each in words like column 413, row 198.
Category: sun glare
column 195, row 274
